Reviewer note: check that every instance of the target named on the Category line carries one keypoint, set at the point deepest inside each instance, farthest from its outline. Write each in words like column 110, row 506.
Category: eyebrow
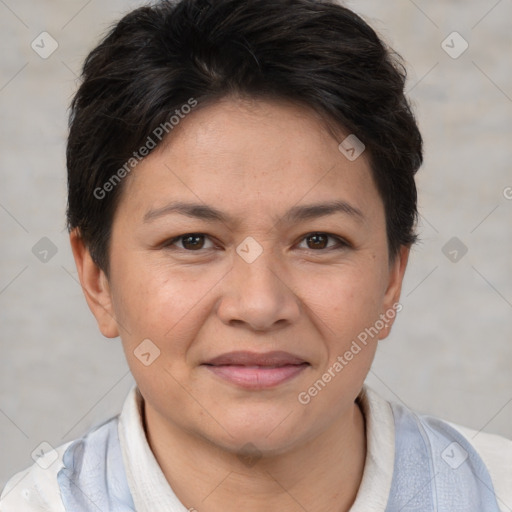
column 293, row 215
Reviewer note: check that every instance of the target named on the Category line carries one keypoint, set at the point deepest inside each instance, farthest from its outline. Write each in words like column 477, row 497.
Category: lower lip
column 257, row 377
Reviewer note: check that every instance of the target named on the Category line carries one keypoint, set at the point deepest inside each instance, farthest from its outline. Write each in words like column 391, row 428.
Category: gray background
column 450, row 352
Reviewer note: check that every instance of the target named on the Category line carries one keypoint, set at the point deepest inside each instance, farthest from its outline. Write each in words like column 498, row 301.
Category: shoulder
column 496, row 453
column 489, row 456
column 394, row 425
column 45, row 486
column 93, row 460
column 35, row 489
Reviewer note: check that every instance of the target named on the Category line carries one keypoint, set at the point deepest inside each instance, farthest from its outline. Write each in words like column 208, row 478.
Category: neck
column 322, row 474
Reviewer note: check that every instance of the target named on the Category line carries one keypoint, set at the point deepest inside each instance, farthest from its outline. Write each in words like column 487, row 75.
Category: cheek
column 346, row 299
column 160, row 319
column 161, row 304
column 348, row 307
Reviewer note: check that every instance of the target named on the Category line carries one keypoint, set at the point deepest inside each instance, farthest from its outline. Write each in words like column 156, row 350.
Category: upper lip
column 244, row 358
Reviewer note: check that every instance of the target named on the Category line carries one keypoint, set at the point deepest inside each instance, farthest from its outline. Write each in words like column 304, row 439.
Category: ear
column 95, row 286
column 391, row 300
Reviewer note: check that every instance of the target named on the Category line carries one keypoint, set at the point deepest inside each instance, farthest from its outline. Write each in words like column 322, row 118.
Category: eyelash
column 342, row 244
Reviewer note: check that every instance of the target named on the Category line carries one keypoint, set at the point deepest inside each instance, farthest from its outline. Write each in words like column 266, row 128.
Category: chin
column 269, row 436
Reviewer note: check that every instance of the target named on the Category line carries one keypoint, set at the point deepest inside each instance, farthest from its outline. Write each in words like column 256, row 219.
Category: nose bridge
column 258, row 295
column 257, row 265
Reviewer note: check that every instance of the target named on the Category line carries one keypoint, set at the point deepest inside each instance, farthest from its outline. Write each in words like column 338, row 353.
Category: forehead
column 251, row 155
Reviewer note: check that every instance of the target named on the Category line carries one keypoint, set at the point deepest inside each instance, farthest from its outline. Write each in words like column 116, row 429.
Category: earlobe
column 392, row 297
column 95, row 286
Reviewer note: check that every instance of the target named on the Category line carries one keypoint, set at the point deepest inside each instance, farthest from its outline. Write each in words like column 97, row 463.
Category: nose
column 259, row 294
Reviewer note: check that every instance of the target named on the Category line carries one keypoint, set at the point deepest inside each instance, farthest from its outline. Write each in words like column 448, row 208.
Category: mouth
column 252, row 370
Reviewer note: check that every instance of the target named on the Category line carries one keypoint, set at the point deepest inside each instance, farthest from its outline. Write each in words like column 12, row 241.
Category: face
column 252, row 290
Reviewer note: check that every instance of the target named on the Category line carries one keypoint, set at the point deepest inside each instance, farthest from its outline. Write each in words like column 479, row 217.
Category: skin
column 254, row 160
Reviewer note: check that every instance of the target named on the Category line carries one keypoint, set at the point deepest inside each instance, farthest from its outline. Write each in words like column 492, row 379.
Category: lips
column 253, row 370
column 266, row 359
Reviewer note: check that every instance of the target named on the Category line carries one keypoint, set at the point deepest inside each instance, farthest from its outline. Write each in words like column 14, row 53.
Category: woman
column 241, row 208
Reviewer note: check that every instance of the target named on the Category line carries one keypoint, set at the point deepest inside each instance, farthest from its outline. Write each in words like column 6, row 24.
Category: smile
column 257, row 377
column 257, row 371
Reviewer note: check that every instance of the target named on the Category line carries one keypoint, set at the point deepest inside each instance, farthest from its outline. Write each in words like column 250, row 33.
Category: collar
column 151, row 491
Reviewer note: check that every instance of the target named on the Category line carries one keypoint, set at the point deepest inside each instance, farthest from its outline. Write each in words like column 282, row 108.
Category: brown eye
column 319, row 241
column 190, row 242
column 193, row 242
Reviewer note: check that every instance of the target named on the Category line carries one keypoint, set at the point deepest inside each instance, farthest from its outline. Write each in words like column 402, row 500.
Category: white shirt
column 35, row 489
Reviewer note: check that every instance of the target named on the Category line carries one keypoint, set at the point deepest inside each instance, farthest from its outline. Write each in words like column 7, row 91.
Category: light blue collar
column 93, row 478
column 436, row 470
